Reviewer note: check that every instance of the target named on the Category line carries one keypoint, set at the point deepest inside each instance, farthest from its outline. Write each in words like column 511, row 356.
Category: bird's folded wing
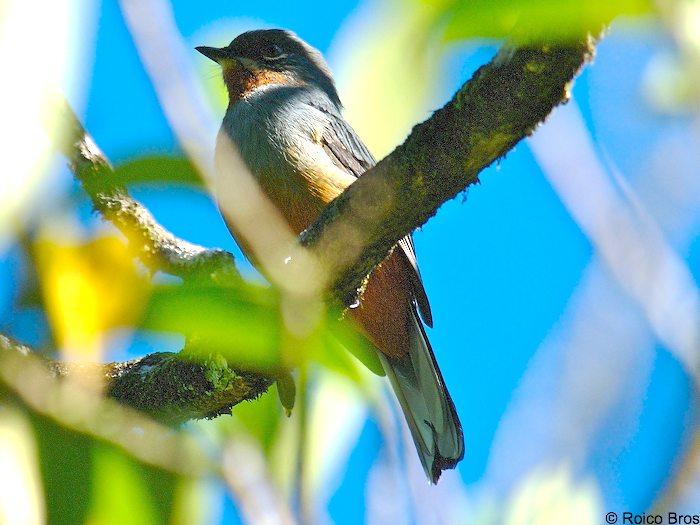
column 348, row 152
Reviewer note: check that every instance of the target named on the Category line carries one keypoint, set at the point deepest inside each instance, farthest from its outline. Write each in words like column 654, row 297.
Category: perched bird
column 284, row 121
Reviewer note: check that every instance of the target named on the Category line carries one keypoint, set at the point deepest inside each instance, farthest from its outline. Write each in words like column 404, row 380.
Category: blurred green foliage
column 260, row 419
column 529, row 19
column 242, row 323
column 245, row 324
column 157, row 169
column 117, row 478
column 86, row 480
column 66, row 460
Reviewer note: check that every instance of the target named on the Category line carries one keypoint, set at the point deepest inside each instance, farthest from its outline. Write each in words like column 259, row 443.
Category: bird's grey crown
column 301, row 60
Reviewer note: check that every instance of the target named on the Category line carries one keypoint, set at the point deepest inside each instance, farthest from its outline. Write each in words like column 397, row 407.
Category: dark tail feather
column 426, row 404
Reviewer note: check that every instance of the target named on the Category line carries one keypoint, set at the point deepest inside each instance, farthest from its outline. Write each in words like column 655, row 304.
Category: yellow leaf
column 89, row 288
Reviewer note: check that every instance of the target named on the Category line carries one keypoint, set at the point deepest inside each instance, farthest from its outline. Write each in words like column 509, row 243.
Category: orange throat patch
column 241, row 82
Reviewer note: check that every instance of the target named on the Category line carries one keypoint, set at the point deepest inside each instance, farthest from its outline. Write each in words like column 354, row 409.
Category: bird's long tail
column 426, row 403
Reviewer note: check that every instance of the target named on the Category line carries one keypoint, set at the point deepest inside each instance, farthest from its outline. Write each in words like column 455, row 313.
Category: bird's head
column 270, row 57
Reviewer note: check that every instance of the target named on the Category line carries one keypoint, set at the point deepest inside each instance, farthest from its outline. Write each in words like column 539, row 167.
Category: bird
column 284, row 120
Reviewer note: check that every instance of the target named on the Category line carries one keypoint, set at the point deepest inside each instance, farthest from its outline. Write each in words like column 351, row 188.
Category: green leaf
column 241, row 323
column 89, row 481
column 66, row 468
column 244, row 324
column 286, row 390
column 349, row 336
column 125, row 491
column 553, row 19
column 157, row 169
column 261, row 419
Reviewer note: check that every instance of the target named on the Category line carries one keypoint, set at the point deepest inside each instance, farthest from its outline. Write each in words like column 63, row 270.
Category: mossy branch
column 168, row 386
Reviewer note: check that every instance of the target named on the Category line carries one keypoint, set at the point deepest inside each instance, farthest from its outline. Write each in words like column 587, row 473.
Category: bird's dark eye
column 273, row 52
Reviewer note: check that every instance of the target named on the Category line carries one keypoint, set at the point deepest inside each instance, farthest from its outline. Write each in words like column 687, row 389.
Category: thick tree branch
column 503, row 103
column 500, row 105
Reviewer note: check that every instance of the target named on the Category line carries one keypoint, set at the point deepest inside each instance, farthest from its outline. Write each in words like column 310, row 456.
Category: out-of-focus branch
column 25, row 378
column 503, row 102
column 157, row 248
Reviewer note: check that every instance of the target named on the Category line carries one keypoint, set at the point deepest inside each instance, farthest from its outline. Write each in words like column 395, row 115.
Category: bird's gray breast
column 271, row 136
column 272, row 132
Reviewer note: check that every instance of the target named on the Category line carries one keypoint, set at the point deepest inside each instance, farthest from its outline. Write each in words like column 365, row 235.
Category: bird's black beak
column 217, row 54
